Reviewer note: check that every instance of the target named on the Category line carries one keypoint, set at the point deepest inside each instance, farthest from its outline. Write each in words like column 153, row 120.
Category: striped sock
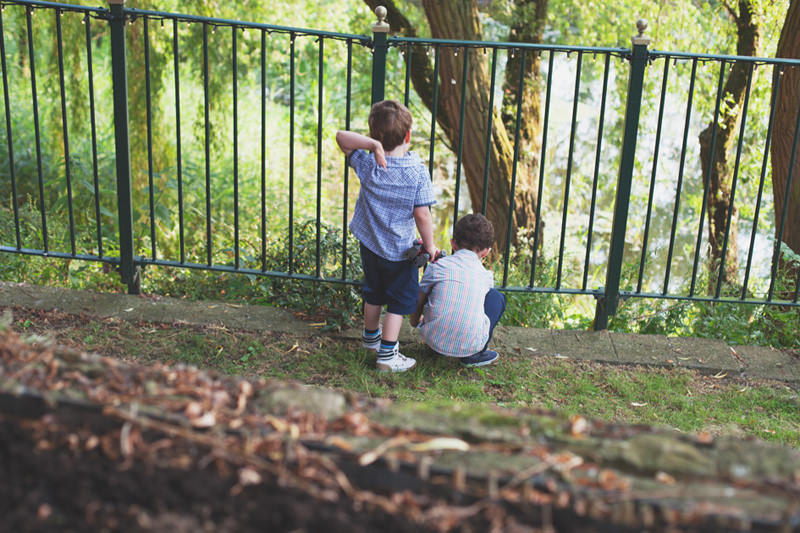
column 369, row 336
column 387, row 349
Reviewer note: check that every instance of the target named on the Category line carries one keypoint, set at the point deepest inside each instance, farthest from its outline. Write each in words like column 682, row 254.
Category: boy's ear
column 453, row 245
column 483, row 253
column 408, row 137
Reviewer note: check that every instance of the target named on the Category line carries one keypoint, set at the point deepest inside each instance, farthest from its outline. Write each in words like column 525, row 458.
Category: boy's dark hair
column 389, row 121
column 474, row 232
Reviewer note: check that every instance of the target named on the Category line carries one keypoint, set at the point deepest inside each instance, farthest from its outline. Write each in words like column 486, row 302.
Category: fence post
column 127, row 265
column 380, row 32
column 607, row 301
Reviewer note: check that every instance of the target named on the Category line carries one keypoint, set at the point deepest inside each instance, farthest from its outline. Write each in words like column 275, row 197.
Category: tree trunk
column 717, row 173
column 787, row 106
column 459, row 19
column 528, row 20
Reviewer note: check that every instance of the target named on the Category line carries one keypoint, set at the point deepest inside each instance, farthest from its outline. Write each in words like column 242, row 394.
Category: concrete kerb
column 706, row 355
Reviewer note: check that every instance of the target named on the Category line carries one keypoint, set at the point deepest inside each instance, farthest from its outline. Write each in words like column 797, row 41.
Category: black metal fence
column 222, row 159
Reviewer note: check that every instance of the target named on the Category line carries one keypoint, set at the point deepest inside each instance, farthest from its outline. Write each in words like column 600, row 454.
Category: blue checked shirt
column 383, row 220
column 455, row 323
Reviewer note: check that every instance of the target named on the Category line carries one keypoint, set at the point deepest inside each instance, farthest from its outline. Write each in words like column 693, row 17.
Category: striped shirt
column 383, row 219
column 455, row 323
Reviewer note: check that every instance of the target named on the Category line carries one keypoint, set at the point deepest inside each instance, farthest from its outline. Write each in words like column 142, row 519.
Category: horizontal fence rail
column 207, row 143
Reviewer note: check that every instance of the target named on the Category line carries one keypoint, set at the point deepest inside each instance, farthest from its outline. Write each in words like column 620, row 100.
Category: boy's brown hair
column 474, row 232
column 389, row 121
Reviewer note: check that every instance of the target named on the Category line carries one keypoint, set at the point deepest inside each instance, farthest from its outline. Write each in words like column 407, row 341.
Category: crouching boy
column 458, row 306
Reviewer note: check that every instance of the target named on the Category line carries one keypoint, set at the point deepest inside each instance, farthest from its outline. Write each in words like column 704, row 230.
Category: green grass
column 678, row 398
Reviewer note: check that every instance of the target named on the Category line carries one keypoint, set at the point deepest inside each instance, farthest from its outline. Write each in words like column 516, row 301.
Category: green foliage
column 335, row 304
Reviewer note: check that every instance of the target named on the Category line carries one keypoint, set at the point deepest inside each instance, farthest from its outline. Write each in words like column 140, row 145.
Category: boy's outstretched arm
column 422, row 216
column 350, row 140
column 413, row 319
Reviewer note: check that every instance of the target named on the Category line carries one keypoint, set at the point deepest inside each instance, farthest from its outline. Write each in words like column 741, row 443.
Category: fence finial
column 641, row 25
column 381, row 26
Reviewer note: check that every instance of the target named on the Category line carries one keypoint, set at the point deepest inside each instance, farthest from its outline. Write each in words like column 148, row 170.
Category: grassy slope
column 679, row 398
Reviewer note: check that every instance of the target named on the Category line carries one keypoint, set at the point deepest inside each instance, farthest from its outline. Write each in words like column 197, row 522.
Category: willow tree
column 717, row 140
column 783, row 140
column 460, row 19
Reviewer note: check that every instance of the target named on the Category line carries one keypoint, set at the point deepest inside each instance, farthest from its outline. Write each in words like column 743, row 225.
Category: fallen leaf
column 440, row 443
column 559, row 356
column 357, row 422
column 532, row 349
column 704, row 437
column 371, row 456
column 578, row 425
column 339, row 443
column 663, row 477
column 720, row 375
column 566, row 461
column 248, row 476
column 205, row 421
column 638, row 404
column 193, row 410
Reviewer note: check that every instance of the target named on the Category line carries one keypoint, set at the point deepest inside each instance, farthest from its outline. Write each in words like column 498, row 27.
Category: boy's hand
column 413, row 319
column 380, row 155
column 435, row 253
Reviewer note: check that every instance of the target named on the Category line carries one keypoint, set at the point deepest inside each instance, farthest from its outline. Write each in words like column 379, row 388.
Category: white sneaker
column 397, row 363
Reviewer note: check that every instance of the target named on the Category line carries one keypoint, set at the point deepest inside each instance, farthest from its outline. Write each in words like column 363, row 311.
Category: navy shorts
column 391, row 283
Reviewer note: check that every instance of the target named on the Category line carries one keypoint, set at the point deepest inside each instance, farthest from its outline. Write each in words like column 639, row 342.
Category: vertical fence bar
column 320, row 94
column 179, row 162
column 65, row 129
column 607, row 303
column 796, row 289
column 263, row 99
column 679, row 185
column 235, row 69
column 512, row 190
column 762, row 179
column 34, row 97
column 292, row 37
column 568, row 177
column 540, row 189
column 95, row 174
column 9, row 138
column 598, row 151
column 651, row 193
column 407, row 87
column 435, row 110
column 207, row 144
column 464, row 70
column 346, row 165
column 489, row 119
column 734, row 180
column 128, row 269
column 380, row 32
column 149, row 111
column 707, row 178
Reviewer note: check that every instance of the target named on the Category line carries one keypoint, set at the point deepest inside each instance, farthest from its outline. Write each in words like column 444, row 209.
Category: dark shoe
column 483, row 358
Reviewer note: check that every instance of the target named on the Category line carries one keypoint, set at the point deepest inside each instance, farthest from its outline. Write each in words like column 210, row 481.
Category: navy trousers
column 494, row 306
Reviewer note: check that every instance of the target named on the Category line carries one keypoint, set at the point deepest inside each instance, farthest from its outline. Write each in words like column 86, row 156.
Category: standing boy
column 457, row 297
column 395, row 195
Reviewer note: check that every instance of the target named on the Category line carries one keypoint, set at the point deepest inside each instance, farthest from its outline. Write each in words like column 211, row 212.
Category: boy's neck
column 399, row 151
